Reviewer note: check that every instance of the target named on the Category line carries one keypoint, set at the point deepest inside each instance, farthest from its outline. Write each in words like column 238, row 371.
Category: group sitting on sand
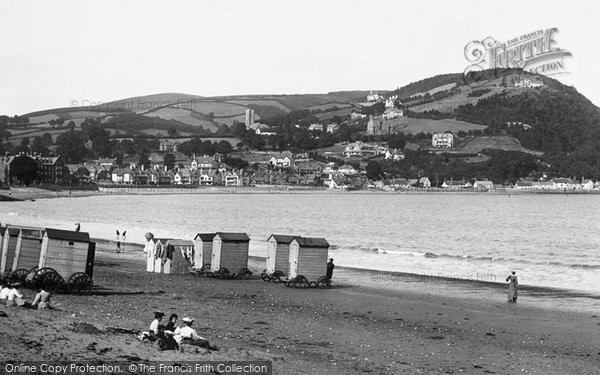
column 10, row 295
column 171, row 336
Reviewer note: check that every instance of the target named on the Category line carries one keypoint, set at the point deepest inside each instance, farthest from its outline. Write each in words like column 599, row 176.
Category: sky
column 62, row 53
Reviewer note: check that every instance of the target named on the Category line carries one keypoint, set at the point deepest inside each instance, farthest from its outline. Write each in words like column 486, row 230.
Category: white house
column 456, row 184
column 425, row 182
column 316, row 127
column 483, row 185
column 442, row 140
column 395, row 154
column 587, row 184
column 282, row 160
column 232, row 179
column 347, row 169
column 121, row 176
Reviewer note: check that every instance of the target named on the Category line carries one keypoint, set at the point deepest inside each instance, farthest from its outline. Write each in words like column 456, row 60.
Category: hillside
column 541, row 113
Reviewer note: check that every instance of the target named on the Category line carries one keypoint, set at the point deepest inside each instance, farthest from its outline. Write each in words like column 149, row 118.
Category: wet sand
column 362, row 324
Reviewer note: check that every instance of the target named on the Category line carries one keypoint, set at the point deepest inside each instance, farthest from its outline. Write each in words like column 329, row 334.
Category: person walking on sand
column 124, row 235
column 330, row 267
column 513, row 282
column 118, row 235
column 118, row 247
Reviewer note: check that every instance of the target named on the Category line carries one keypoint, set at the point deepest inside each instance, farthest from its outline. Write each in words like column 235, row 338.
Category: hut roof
column 32, row 233
column 240, row 237
column 206, row 237
column 68, row 235
column 282, row 238
column 312, row 242
column 178, row 242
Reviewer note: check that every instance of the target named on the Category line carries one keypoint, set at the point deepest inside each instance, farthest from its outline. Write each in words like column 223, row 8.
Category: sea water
column 549, row 240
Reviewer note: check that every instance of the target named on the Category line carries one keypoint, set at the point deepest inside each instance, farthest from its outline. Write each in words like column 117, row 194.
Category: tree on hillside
column 47, row 139
column 37, row 146
column 374, row 171
column 169, row 161
column 71, row 146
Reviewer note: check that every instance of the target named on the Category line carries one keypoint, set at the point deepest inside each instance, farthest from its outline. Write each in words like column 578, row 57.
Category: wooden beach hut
column 230, row 251
column 203, row 246
column 278, row 254
column 160, row 254
column 308, row 258
column 177, row 259
column 9, row 248
column 68, row 254
column 29, row 247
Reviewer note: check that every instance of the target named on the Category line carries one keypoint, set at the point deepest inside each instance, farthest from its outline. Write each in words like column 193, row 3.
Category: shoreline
column 394, row 280
column 33, row 193
column 346, row 329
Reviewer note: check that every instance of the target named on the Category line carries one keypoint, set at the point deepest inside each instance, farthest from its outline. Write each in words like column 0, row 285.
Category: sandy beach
column 365, row 323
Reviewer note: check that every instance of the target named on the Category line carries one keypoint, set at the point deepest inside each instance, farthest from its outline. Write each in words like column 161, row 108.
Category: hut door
column 89, row 265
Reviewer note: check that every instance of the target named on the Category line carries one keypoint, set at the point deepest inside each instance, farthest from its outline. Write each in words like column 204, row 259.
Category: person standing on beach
column 513, row 282
column 124, row 234
column 118, row 235
column 330, row 267
column 118, row 247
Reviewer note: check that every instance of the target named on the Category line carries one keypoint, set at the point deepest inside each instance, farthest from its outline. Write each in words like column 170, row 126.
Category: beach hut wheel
column 19, row 275
column 324, row 281
column 224, row 273
column 301, row 282
column 48, row 278
column 264, row 276
column 80, row 281
column 245, row 273
column 277, row 275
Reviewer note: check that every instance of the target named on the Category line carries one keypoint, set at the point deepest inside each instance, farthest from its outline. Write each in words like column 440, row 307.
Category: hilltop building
column 373, row 97
column 249, row 118
column 526, row 83
column 442, row 140
column 379, row 125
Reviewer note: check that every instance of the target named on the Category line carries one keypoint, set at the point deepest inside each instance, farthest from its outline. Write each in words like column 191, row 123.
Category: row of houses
column 559, row 184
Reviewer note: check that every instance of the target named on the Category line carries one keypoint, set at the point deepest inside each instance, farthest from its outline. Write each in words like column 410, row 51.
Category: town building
column 249, row 118
column 442, row 140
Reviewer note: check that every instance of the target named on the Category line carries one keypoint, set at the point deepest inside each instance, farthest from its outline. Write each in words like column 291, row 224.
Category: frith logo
column 536, row 52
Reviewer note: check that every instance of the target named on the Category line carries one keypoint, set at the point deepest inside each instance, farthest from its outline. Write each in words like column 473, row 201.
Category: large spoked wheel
column 31, row 274
column 277, row 276
column 223, row 273
column 265, row 276
column 245, row 273
column 301, row 282
column 19, row 275
column 48, row 279
column 324, row 281
column 80, row 281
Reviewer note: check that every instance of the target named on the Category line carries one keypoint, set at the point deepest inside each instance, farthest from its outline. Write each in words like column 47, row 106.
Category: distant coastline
column 33, row 193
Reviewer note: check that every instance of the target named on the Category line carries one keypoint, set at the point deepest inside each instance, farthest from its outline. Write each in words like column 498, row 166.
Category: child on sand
column 152, row 334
